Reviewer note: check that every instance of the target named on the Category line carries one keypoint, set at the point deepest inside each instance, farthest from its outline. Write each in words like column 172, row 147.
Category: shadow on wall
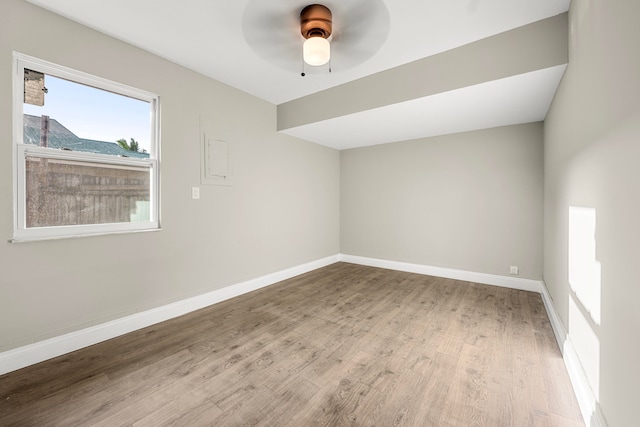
column 585, row 276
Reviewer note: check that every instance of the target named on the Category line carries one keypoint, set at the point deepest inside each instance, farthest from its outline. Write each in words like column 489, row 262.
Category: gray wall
column 470, row 201
column 592, row 154
column 282, row 210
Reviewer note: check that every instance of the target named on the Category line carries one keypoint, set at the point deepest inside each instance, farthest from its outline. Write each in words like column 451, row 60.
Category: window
column 86, row 154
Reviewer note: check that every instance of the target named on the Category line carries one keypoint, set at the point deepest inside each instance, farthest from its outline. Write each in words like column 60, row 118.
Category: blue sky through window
column 92, row 113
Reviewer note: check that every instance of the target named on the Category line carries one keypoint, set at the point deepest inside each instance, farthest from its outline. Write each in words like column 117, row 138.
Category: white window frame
column 21, row 151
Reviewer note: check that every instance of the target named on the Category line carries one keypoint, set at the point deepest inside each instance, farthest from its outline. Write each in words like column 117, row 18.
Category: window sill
column 27, row 239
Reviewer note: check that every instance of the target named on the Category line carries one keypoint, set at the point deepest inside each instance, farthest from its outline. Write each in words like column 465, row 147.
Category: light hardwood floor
column 343, row 345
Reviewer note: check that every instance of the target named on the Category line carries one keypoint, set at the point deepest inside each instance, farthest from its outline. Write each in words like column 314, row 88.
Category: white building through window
column 86, row 154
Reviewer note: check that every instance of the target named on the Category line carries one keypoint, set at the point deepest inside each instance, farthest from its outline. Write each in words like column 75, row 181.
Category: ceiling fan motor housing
column 315, row 21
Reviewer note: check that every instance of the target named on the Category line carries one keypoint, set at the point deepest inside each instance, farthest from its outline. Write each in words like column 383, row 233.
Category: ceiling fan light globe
column 316, row 51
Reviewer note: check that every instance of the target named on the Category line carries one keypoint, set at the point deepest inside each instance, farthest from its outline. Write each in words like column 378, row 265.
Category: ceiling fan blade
column 361, row 33
column 273, row 35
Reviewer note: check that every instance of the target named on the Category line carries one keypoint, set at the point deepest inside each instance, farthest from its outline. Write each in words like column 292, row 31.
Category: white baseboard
column 586, row 400
column 21, row 357
column 556, row 323
column 469, row 276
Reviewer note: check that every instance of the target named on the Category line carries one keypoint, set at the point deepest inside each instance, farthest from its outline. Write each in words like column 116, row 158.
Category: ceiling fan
column 274, row 31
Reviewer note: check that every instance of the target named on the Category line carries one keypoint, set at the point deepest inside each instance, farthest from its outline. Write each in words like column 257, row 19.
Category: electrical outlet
column 195, row 193
column 514, row 270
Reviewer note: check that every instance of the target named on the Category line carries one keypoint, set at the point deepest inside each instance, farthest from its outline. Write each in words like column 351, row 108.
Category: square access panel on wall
column 216, row 138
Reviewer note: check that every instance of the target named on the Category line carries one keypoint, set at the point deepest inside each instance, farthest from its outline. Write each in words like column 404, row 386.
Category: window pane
column 78, row 117
column 69, row 192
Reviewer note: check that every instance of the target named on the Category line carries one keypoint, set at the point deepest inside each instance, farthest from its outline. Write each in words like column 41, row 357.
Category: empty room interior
column 350, row 213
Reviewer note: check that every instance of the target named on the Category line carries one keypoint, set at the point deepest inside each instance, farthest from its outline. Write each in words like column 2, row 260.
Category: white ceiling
column 221, row 39
column 511, row 100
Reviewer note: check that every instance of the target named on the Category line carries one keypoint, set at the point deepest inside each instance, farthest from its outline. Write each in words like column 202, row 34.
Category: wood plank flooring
column 345, row 345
